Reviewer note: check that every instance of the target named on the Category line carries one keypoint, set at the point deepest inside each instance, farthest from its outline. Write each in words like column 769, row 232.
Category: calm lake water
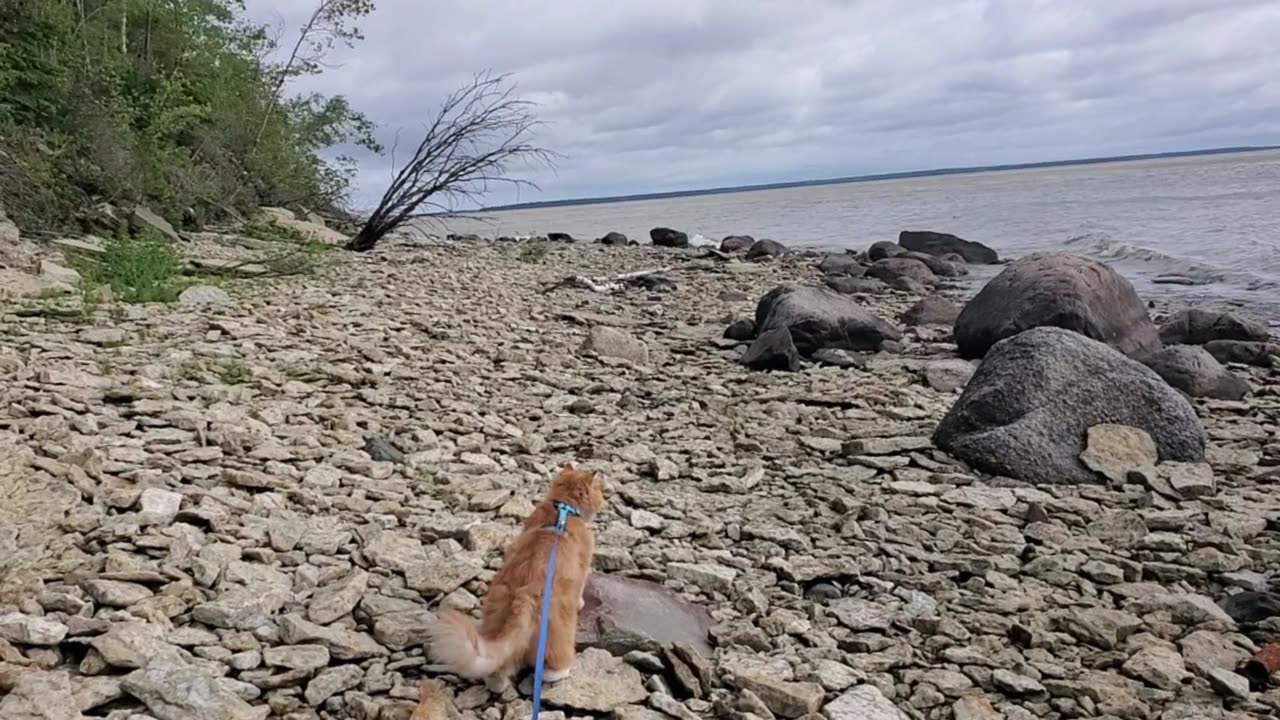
column 1214, row 220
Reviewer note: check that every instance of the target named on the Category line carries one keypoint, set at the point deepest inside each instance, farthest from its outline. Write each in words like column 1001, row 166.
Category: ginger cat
column 505, row 641
column 434, row 702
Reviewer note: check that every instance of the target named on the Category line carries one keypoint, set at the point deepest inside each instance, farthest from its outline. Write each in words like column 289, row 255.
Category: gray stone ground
column 220, row 510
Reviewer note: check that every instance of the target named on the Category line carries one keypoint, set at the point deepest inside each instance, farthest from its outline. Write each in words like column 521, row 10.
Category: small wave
column 1104, row 247
column 700, row 240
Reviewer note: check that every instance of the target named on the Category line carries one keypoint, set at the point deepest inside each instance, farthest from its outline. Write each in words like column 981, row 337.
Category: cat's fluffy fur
column 505, row 640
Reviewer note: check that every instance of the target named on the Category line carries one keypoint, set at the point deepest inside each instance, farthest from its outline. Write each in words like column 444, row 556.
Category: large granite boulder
column 666, row 237
column 765, row 248
column 1194, row 371
column 1261, row 354
column 1060, row 290
column 841, row 265
column 1198, row 327
column 819, row 318
column 1027, row 411
column 941, row 267
column 936, row 243
column 931, row 310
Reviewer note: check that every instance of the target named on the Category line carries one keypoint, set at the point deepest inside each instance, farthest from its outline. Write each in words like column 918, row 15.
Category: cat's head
column 583, row 489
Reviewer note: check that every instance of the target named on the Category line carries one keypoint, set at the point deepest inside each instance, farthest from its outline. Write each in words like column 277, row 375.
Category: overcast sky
column 653, row 95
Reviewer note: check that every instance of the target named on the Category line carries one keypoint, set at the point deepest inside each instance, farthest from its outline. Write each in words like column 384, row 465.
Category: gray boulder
column 1059, row 290
column 856, row 285
column 737, row 243
column 1197, row 327
column 940, row 266
column 931, row 310
column 1243, row 352
column 884, row 249
column 1194, row 371
column 841, row 265
column 1027, row 411
column 936, row 243
column 821, row 318
column 666, row 237
column 896, row 268
column 613, row 238
column 772, row 350
column 765, row 248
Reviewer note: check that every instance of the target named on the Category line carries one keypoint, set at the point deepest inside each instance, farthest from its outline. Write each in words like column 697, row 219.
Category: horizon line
column 967, row 170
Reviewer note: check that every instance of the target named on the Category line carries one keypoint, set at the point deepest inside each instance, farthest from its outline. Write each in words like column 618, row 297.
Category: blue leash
column 563, row 511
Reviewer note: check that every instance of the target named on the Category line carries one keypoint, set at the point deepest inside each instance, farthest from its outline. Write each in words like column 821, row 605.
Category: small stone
column 711, row 578
column 1115, row 450
column 974, row 707
column 1188, row 480
column 297, row 657
column 37, row 695
column 864, row 702
column 204, row 295
column 614, row 343
column 1012, row 683
column 241, row 608
column 886, row 445
column 338, row 598
column 948, row 376
column 1158, row 666
column 332, row 681
column 1102, row 627
column 158, row 506
column 31, row 630
column 173, row 690
column 116, row 593
column 1229, row 684
column 598, row 683
column 862, row 615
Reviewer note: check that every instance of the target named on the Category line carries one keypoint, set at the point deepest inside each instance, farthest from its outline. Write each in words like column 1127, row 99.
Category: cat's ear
column 568, row 467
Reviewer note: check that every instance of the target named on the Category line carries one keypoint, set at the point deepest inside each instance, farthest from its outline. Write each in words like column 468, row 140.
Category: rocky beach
column 249, row 503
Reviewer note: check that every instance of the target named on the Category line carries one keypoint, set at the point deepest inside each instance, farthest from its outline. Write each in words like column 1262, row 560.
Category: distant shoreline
column 881, row 176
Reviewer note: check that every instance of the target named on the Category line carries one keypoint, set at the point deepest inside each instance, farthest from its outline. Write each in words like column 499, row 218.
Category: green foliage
column 532, row 252
column 137, row 269
column 169, row 103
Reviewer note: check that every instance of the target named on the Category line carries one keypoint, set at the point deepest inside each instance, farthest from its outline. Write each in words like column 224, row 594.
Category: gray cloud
column 652, row 95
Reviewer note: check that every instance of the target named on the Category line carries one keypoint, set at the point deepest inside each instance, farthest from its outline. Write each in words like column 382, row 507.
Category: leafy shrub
column 138, row 269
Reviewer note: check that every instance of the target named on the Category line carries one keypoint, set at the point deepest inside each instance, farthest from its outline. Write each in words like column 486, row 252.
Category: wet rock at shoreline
column 940, row 244
column 1060, row 290
column 737, row 243
column 1026, row 411
column 614, row 239
column 856, row 285
column 1195, row 371
column 666, row 237
column 765, row 248
column 884, row 249
column 1198, row 327
column 841, row 265
column 1260, row 354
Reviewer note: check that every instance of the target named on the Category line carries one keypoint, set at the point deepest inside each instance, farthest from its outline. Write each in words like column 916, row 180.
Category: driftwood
column 610, row 284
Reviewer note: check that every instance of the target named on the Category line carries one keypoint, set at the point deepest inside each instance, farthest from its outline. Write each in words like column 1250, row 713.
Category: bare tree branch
column 476, row 137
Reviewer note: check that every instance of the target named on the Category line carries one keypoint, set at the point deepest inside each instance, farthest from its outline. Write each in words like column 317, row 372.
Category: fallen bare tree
column 479, row 133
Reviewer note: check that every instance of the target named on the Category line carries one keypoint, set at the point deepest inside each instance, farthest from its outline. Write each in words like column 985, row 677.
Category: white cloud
column 647, row 95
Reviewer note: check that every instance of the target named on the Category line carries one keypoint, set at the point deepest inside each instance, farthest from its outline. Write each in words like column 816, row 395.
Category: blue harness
column 563, row 511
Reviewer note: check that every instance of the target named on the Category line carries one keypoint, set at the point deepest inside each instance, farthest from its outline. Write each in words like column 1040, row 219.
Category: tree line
column 183, row 105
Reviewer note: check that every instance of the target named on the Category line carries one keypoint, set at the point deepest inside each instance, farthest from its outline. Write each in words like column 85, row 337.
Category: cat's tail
column 455, row 641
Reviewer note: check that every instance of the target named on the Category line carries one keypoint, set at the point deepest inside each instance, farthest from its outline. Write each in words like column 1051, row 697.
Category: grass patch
column 234, row 373
column 532, row 252
column 138, row 269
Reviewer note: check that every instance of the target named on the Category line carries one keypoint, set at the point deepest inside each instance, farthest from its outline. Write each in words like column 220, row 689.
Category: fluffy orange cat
column 505, row 641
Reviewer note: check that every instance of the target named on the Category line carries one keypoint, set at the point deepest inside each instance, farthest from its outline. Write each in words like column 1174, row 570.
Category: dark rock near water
column 892, row 268
column 1194, row 371
column 737, row 243
column 1243, row 352
column 666, row 237
column 741, row 330
column 1197, row 327
column 884, row 249
column 560, row 237
column 842, row 265
column 613, row 238
column 1027, row 410
column 936, row 243
column 766, row 248
column 856, row 285
column 773, row 350
column 1058, row 290
column 931, row 310
column 822, row 318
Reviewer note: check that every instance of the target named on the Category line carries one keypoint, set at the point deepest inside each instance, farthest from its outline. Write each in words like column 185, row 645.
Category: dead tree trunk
column 479, row 133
